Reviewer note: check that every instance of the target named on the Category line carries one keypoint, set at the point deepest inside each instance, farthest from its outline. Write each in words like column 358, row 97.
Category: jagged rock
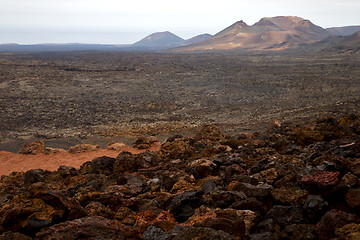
column 231, row 172
column 350, row 179
column 125, row 162
column 227, row 220
column 14, row 236
column 249, row 204
column 298, row 232
column 314, row 207
column 209, row 132
column 146, row 142
column 200, row 233
column 34, row 175
column 267, row 176
column 155, row 233
column 163, row 220
column 103, row 165
column 115, row 146
column 23, row 214
column 178, row 148
column 258, row 191
column 348, row 232
column 54, row 150
column 80, row 148
column 293, row 196
column 64, row 206
column 166, row 182
column 331, row 220
column 183, row 185
column 286, row 215
column 224, row 199
column 201, row 168
column 183, row 205
column 209, row 186
column 87, row 228
column 321, row 182
column 33, row 148
column 352, row 197
column 147, row 159
column 263, row 236
column 97, row 209
column 267, row 229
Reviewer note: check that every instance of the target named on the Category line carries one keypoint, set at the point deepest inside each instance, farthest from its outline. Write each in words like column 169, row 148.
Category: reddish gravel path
column 11, row 162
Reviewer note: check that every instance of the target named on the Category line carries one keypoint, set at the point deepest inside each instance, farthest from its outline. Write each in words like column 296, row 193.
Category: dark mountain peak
column 196, row 39
column 159, row 40
column 343, row 31
column 239, row 26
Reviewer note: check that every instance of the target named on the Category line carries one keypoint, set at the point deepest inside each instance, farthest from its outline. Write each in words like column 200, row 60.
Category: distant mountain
column 269, row 33
column 159, row 40
column 343, row 31
column 338, row 44
column 196, row 39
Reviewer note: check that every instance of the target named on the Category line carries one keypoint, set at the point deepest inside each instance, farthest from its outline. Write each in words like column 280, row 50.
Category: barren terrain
column 67, row 98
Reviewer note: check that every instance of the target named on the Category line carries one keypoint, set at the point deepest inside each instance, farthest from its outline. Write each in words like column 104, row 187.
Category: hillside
column 339, row 44
column 343, row 31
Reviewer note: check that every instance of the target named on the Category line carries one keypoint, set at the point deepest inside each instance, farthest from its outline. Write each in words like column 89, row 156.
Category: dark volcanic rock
column 260, row 190
column 299, row 232
column 184, row 204
column 292, row 182
column 314, row 207
column 87, row 228
column 34, row 176
column 14, row 236
column 104, row 165
column 331, row 220
column 286, row 215
column 201, row 233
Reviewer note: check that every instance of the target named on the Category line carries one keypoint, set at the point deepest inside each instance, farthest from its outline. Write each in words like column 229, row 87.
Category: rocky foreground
column 291, row 182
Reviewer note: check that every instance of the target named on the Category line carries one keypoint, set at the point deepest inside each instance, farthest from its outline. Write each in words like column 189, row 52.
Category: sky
column 127, row 21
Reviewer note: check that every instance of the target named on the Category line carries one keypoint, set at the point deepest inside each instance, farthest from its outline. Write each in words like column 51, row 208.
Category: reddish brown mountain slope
column 268, row 33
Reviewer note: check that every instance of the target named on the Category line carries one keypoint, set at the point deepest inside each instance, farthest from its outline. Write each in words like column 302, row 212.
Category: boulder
column 115, row 146
column 350, row 231
column 227, row 220
column 259, row 191
column 81, row 148
column 286, row 215
column 321, row 182
column 293, row 196
column 54, row 150
column 146, row 142
column 314, row 207
column 183, row 205
column 103, row 165
column 299, row 232
column 209, row 132
column 352, row 198
column 87, row 228
column 14, row 236
column 332, row 220
column 32, row 148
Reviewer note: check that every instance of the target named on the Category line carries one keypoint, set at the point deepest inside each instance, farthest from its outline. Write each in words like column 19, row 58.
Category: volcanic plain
column 66, row 98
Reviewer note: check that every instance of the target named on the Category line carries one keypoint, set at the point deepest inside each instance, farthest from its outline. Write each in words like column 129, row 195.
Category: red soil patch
column 11, row 162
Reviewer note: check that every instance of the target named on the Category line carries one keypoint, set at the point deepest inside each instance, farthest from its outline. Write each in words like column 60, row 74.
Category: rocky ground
column 70, row 98
column 293, row 181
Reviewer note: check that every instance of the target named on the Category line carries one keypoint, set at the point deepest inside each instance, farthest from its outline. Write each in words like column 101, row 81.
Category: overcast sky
column 127, row 21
